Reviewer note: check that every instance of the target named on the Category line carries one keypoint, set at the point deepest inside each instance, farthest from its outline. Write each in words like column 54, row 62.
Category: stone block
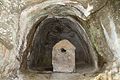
column 63, row 57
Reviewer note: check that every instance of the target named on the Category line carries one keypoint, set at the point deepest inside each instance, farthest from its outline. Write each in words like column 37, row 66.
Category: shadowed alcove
column 48, row 34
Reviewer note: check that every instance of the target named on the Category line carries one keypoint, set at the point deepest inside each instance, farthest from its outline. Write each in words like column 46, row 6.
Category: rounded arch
column 31, row 17
column 51, row 31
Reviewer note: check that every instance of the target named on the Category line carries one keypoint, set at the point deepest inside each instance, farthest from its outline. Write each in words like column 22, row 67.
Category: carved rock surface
column 63, row 57
column 104, row 21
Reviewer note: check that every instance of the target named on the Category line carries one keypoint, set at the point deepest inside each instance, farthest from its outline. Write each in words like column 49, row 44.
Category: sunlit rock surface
column 101, row 20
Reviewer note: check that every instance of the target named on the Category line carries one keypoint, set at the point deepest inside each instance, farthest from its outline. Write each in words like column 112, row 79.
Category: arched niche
column 50, row 32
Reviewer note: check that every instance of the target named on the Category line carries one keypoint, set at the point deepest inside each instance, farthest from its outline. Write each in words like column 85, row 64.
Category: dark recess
column 51, row 31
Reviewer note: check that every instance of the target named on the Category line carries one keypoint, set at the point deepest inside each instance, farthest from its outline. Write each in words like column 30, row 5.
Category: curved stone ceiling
column 50, row 32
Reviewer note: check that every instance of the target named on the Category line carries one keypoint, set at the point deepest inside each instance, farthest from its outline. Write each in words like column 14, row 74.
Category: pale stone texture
column 9, row 10
column 63, row 57
column 98, row 19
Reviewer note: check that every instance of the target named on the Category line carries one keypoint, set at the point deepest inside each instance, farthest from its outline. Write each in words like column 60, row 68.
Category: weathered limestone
column 18, row 16
column 63, row 57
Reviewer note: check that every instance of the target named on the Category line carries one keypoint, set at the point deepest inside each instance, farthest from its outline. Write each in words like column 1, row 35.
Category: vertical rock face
column 99, row 20
column 63, row 56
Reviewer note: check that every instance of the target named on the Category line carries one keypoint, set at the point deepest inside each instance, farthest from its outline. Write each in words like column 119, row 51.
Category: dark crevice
column 63, row 50
column 101, row 7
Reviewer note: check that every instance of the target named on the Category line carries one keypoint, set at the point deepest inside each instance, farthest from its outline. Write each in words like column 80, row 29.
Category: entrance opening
column 50, row 32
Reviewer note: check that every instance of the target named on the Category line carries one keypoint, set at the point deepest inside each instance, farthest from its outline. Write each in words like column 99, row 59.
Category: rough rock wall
column 102, row 16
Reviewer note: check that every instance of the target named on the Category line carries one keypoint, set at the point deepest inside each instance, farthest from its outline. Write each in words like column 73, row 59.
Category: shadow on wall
column 48, row 34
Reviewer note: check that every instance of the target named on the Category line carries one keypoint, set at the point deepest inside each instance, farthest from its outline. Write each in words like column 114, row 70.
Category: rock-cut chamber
column 58, row 46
